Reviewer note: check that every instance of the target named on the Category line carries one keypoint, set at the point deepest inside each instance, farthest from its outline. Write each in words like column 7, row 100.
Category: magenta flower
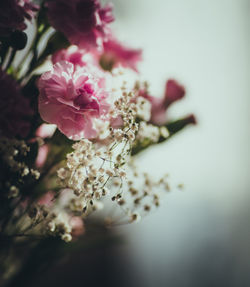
column 72, row 98
column 15, row 110
column 13, row 14
column 173, row 92
column 115, row 54
column 83, row 22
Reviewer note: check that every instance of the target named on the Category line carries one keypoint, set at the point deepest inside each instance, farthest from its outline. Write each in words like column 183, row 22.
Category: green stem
column 11, row 58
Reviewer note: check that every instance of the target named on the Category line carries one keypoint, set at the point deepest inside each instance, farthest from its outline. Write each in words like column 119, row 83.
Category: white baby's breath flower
column 66, row 237
column 143, row 108
column 164, row 132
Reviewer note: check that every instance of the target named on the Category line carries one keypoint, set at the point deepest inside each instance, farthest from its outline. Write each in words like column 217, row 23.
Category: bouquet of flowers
column 71, row 125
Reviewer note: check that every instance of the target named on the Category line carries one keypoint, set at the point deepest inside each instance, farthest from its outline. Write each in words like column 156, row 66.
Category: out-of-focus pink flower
column 77, row 226
column 45, row 131
column 173, row 92
column 47, row 199
column 15, row 111
column 83, row 22
column 13, row 14
column 73, row 55
column 72, row 98
column 158, row 110
column 42, row 155
column 114, row 54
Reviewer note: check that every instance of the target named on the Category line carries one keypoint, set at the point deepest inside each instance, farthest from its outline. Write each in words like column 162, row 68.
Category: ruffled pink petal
column 71, row 98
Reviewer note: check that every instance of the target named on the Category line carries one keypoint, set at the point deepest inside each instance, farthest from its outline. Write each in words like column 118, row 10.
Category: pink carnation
column 72, row 98
column 173, row 92
column 83, row 22
column 115, row 54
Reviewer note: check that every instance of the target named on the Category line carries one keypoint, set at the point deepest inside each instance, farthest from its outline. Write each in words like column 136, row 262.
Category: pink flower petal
column 72, row 97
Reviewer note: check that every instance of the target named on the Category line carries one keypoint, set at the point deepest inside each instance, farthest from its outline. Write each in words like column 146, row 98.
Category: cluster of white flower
column 141, row 194
column 101, row 170
column 144, row 108
column 42, row 220
column 89, row 168
column 10, row 149
column 13, row 153
column 148, row 134
column 148, row 131
column 60, row 224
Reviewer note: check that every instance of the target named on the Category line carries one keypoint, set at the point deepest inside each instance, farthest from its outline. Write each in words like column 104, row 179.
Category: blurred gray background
column 199, row 236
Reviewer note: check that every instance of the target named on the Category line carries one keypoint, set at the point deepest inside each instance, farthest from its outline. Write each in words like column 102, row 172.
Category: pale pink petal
column 42, row 155
column 77, row 226
column 47, row 199
column 45, row 131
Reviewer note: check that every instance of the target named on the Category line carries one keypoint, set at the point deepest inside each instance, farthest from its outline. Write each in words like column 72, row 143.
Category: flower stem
column 11, row 58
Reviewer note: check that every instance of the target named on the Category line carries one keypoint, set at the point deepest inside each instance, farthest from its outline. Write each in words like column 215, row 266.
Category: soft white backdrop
column 205, row 228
